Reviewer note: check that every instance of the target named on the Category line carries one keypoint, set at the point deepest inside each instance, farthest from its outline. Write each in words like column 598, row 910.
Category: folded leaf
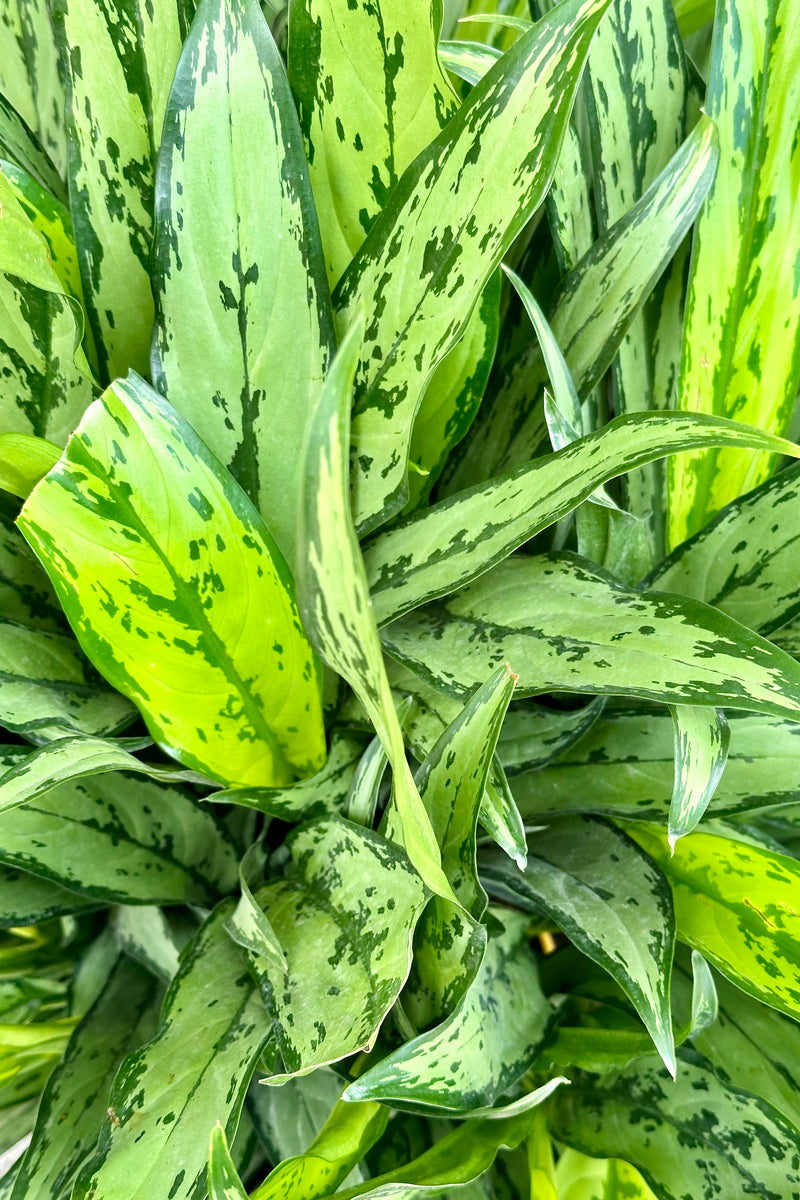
column 527, row 96
column 344, row 919
column 702, row 737
column 227, row 681
column 611, row 901
column 244, row 328
column 484, row 1047
column 450, row 543
column 563, row 625
column 180, row 1082
column 741, row 351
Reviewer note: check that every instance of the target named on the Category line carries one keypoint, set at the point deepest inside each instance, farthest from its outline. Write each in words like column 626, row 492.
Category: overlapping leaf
column 194, row 621
column 244, row 328
column 702, row 737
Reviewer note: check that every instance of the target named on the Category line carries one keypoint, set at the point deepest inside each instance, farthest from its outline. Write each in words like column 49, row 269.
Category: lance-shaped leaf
column 744, row 560
column 167, row 848
column 484, row 1047
column 624, row 767
column 447, row 545
column 223, row 1178
column 702, row 737
column 19, row 144
column 124, row 1015
column 344, row 918
column 179, row 1082
column 244, row 329
column 733, row 902
column 28, row 899
column 636, row 97
column 364, row 117
column 118, row 66
column 452, row 782
column 46, row 383
column 591, row 310
column 181, row 599
column 751, row 1046
column 488, row 170
column 50, row 690
column 468, row 60
column 334, row 600
column 533, row 736
column 29, row 73
column 568, row 626
column 611, row 901
column 459, row 1157
column 695, row 1136
column 741, row 349
column 248, row 926
column 347, row 1134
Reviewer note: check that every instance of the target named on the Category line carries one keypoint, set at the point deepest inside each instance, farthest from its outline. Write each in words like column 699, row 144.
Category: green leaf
column 344, row 917
column 448, row 945
column 450, row 543
column 223, row 1178
column 480, row 1051
column 348, row 1133
column 743, row 561
column 564, row 625
column 230, row 307
column 533, row 736
column 751, row 1046
column 228, row 691
column 741, row 351
column 525, row 101
column 144, row 933
column 28, row 899
column 691, row 1137
column 49, row 689
column 569, row 204
column 702, row 737
column 248, row 925
column 19, row 144
column 692, row 14
column 456, row 1159
column 46, row 378
column 731, row 903
column 118, row 67
column 124, row 1015
column 29, row 73
column 180, row 1083
column 25, row 592
column 335, row 605
column 24, row 461
column 362, row 799
column 174, row 851
column 624, row 767
column 469, row 60
column 364, row 118
column 581, row 1178
column 591, row 310
column 611, row 901
column 636, row 100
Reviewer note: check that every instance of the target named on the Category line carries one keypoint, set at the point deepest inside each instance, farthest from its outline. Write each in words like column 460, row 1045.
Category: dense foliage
column 400, row 779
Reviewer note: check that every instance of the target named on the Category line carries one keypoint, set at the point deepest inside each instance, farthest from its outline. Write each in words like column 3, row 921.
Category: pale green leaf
column 702, row 737
column 28, row 899
column 582, row 1178
column 223, row 1178
column 29, row 72
column 19, row 144
column 24, row 461
column 200, row 630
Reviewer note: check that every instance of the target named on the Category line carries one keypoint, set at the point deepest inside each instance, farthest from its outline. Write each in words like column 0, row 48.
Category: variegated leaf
column 479, row 1052
column 28, row 899
column 344, row 918
column 25, row 592
column 334, row 601
column 624, row 767
column 180, row 1082
column 452, row 782
column 132, row 501
column 489, row 187
column 19, row 144
column 582, row 1178
column 119, row 62
column 452, row 542
column 124, row 1016
column 691, row 1137
column 144, row 933
column 743, row 561
column 563, row 625
column 591, row 311
column 702, row 737
column 733, row 903
column 244, row 329
column 29, row 73
column 611, row 901
column 174, row 850
column 741, row 348
column 223, row 1178
column 533, row 736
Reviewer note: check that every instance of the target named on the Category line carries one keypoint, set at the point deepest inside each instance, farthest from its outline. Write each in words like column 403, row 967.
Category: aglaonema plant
column 398, row 601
